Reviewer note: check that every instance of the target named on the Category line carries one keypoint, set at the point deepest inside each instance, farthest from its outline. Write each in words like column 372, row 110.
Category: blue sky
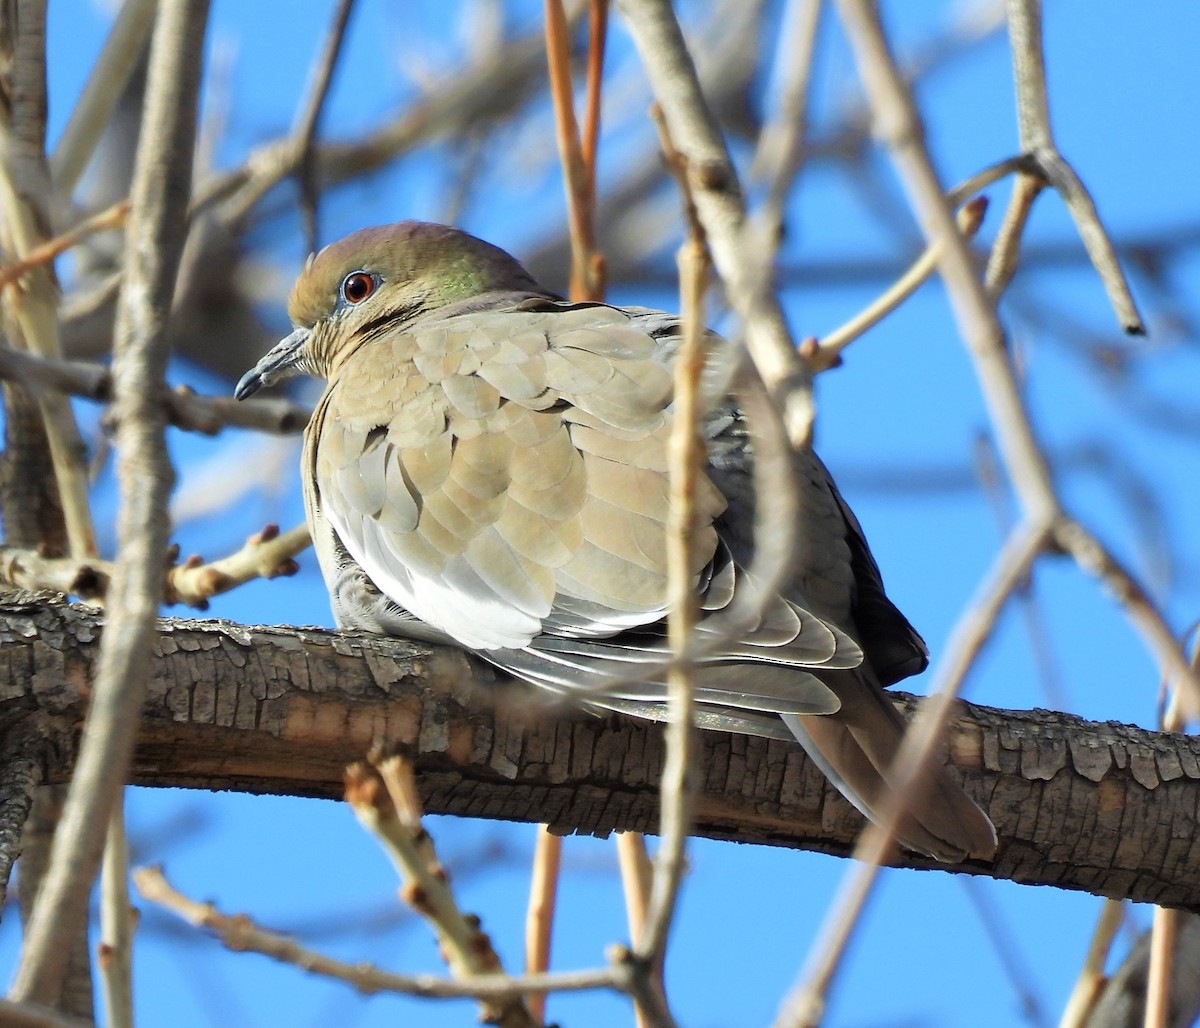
column 906, row 399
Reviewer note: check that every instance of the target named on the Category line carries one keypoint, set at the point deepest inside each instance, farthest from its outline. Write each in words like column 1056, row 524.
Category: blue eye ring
column 357, row 287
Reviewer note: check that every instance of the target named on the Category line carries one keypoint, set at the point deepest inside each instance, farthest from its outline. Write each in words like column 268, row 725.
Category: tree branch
column 157, row 225
column 1100, row 807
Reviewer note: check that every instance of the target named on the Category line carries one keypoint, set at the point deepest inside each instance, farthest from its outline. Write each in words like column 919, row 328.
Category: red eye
column 357, row 286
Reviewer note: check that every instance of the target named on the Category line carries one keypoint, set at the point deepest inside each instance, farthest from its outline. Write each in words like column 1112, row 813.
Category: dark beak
column 278, row 362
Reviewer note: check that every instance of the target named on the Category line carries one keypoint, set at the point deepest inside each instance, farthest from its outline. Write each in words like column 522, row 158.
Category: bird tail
column 855, row 748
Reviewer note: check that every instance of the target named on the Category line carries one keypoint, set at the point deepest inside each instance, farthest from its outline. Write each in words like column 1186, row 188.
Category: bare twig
column 384, row 798
column 28, row 569
column 587, row 264
column 266, row 554
column 590, row 143
column 900, row 126
column 240, row 934
column 1037, row 140
column 637, row 876
column 780, row 152
column 1164, row 933
column 687, row 455
column 100, row 94
column 185, row 408
column 805, row 1005
column 305, row 130
column 718, row 199
column 44, row 253
column 1091, row 976
column 156, row 229
column 115, row 951
column 828, row 352
column 539, row 916
column 1002, row 262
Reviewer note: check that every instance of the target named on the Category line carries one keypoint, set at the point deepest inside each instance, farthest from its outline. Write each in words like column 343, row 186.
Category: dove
column 487, row 467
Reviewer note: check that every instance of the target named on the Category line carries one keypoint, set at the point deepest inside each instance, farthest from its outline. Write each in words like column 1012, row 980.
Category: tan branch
column 305, row 131
column 184, row 408
column 44, row 253
column 828, row 352
column 1091, row 976
column 281, row 710
column 193, row 582
column 721, row 209
column 805, row 1006
column 101, row 93
column 161, row 181
column 539, row 915
column 1037, row 140
column 266, row 554
column 238, row 933
column 114, row 953
column 384, row 799
column 687, row 454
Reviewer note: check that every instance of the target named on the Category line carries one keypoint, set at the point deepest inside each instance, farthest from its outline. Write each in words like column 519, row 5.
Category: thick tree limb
column 1101, row 807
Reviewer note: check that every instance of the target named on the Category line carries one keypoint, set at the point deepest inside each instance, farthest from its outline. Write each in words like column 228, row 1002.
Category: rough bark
column 1102, row 807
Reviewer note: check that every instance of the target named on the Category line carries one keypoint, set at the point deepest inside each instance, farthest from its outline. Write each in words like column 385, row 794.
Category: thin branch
column 305, row 130
column 240, row 934
column 1091, row 976
column 827, row 353
column 539, row 915
column 101, row 93
column 192, row 582
column 266, row 554
column 597, row 40
column 184, row 407
column 780, row 152
column 1037, row 139
column 384, row 799
column 162, row 176
column 899, row 124
column 805, row 1005
column 579, row 178
column 89, row 580
column 44, row 253
column 721, row 209
column 637, row 875
column 1164, row 934
column 1006, row 251
column 687, row 455
column 31, row 306
column 115, row 951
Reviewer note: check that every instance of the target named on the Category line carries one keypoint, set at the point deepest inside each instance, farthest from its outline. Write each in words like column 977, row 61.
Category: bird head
column 376, row 280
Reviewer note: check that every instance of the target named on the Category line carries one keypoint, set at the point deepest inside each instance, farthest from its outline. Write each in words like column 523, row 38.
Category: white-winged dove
column 488, row 466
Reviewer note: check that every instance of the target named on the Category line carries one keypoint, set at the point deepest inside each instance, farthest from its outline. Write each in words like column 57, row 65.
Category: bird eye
column 357, row 286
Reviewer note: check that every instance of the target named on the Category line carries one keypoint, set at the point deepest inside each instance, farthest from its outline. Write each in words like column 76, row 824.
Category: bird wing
column 502, row 475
